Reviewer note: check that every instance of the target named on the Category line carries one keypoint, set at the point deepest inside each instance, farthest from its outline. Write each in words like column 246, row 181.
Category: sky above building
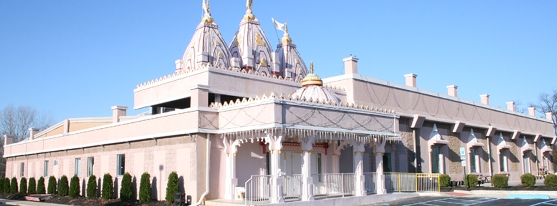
column 79, row 58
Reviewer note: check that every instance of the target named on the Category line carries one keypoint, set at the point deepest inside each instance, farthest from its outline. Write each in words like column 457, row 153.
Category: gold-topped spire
column 311, row 67
column 207, row 9
column 248, row 4
column 311, row 78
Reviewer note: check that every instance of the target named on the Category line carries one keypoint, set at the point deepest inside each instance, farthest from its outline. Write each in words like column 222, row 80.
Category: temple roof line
column 274, row 96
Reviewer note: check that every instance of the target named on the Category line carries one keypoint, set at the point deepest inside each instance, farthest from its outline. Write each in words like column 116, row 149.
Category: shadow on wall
column 154, row 190
column 83, row 188
column 181, row 184
column 134, row 188
column 116, row 189
column 98, row 187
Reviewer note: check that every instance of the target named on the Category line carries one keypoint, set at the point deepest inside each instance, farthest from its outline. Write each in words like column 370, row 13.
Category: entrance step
column 223, row 202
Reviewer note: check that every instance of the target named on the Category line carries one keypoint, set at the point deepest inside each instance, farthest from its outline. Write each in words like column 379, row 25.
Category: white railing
column 403, row 182
column 258, row 189
column 292, row 187
column 338, row 184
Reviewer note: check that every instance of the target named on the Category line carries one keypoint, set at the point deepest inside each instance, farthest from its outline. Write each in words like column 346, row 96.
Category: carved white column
column 230, row 148
column 307, row 180
column 379, row 150
column 359, row 149
column 275, row 146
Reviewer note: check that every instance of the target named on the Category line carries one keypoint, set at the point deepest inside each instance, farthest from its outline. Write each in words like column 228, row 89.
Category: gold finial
column 248, row 4
column 311, row 67
column 285, row 28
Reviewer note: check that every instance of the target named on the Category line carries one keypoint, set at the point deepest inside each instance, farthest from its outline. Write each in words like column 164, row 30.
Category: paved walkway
column 26, row 203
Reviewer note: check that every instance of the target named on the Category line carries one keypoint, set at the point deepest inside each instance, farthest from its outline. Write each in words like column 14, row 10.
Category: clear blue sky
column 79, row 58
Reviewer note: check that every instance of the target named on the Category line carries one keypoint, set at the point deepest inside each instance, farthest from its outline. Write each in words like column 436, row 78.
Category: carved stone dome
column 312, row 88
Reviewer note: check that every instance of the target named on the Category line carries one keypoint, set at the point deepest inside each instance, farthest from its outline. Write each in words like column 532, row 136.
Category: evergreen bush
column 32, row 186
column 550, row 180
column 40, row 186
column 13, row 186
column 108, row 187
column 51, row 185
column 528, row 180
column 7, row 186
column 500, row 181
column 444, row 180
column 172, row 187
column 92, row 187
column 126, row 191
column 74, row 187
column 471, row 180
column 145, row 188
column 23, row 185
column 63, row 186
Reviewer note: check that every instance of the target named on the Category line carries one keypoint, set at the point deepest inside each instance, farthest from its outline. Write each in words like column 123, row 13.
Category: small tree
column 51, row 185
column 444, row 180
column 500, row 181
column 63, row 186
column 7, row 185
column 108, row 187
column 23, row 185
column 13, row 186
column 145, row 188
column 528, row 180
column 126, row 191
column 92, row 187
column 32, row 186
column 74, row 187
column 172, row 187
column 471, row 180
column 40, row 186
column 550, row 180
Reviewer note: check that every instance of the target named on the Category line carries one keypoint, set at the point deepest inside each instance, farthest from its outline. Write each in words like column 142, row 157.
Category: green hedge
column 13, row 186
column 108, row 187
column 528, row 180
column 172, row 187
column 550, row 180
column 40, row 186
column 471, row 180
column 500, row 181
column 32, row 186
column 444, row 180
column 74, row 187
column 145, row 188
column 7, row 186
column 52, row 185
column 63, row 186
column 23, row 185
column 126, row 191
column 92, row 187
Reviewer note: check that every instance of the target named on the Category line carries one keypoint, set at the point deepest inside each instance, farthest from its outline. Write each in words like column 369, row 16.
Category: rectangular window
column 22, row 170
column 77, row 166
column 387, row 162
column 90, row 164
column 434, row 159
column 526, row 163
column 503, row 161
column 45, row 168
column 473, row 168
column 121, row 165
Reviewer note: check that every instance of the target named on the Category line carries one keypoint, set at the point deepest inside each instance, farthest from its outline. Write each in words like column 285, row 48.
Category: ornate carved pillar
column 230, row 148
column 379, row 145
column 275, row 147
column 307, row 180
column 359, row 149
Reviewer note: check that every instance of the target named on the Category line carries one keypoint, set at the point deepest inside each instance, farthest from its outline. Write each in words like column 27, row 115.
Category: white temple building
column 245, row 121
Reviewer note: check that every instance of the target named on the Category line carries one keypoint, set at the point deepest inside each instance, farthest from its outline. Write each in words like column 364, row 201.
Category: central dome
column 312, row 88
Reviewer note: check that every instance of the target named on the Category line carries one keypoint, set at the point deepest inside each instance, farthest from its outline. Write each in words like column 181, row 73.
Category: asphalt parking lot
column 454, row 201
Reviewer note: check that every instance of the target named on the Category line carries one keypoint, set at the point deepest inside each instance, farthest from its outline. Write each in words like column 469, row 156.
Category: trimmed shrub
column 108, row 187
column 172, row 187
column 74, row 187
column 92, row 187
column 444, row 181
column 528, row 180
column 471, row 180
column 7, row 185
column 32, row 186
column 126, row 191
column 13, row 186
column 51, row 185
column 550, row 180
column 23, row 185
column 145, row 188
column 40, row 186
column 500, row 181
column 63, row 186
